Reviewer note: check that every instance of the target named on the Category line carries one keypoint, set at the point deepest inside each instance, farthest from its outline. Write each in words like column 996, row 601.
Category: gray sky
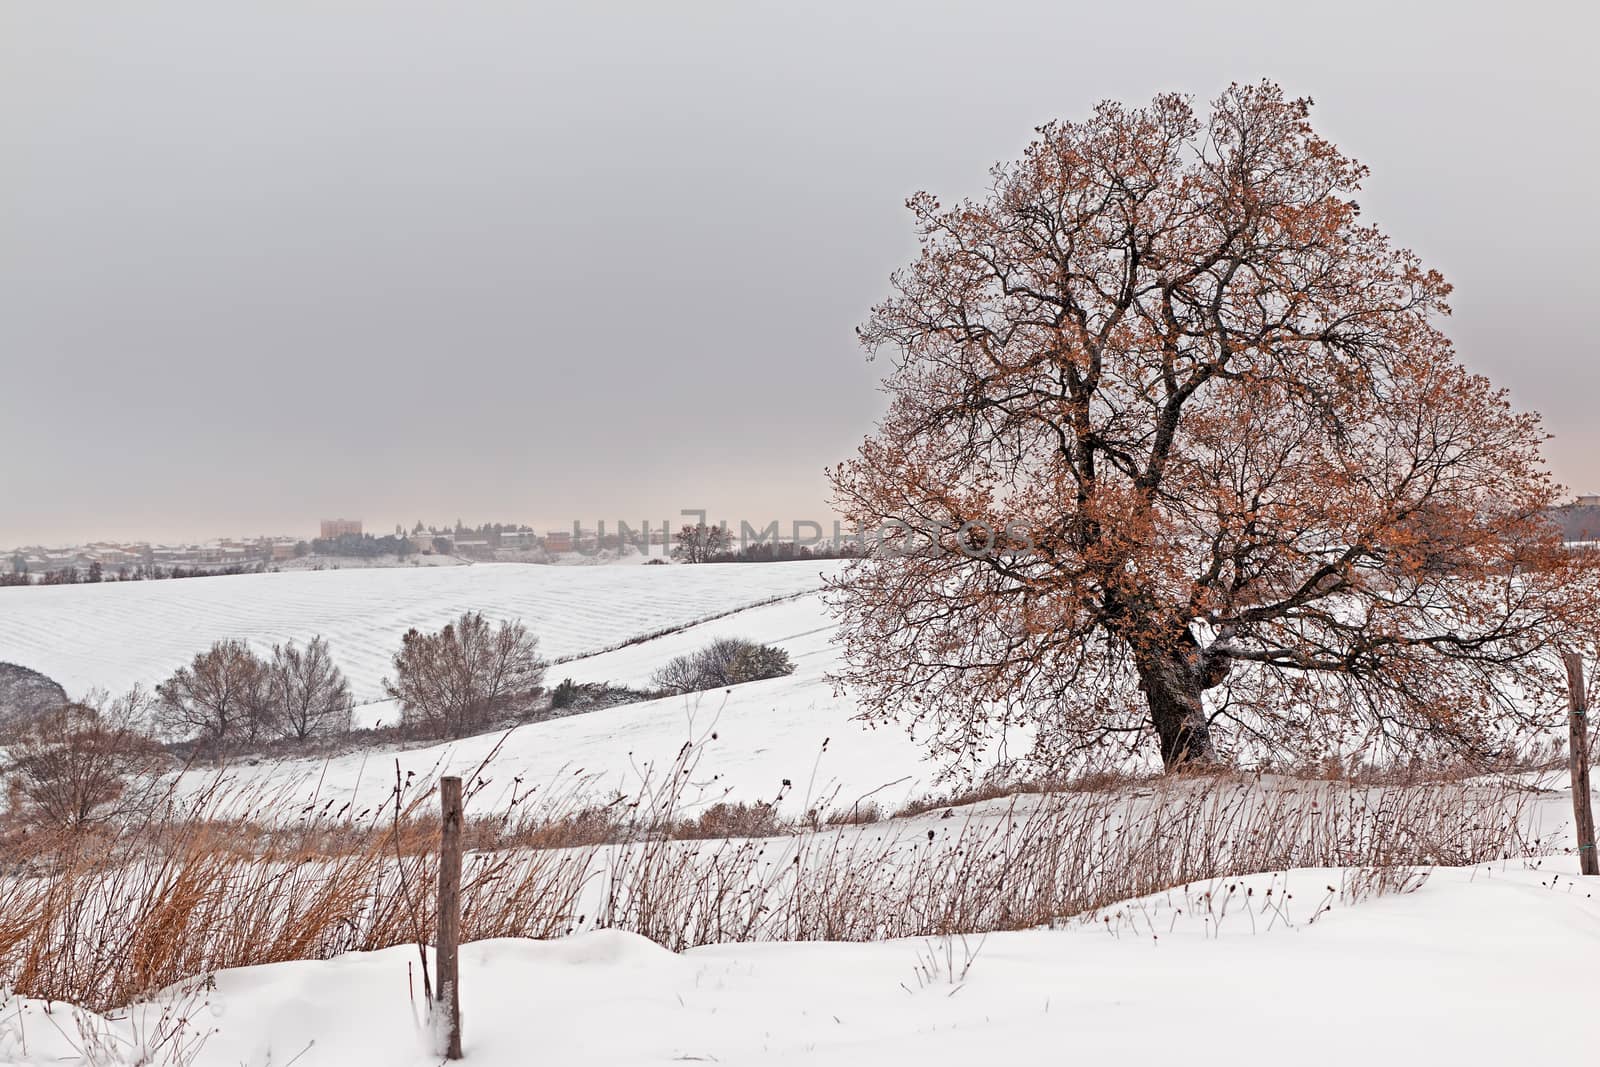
column 265, row 262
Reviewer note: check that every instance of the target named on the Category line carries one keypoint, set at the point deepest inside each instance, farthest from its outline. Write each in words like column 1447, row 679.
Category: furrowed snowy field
column 1482, row 964
column 113, row 635
column 795, row 728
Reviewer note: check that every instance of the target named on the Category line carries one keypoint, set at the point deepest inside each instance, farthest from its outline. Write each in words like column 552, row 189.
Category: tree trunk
column 1173, row 685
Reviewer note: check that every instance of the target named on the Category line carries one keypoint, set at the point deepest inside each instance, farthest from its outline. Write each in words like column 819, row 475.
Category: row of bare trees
column 463, row 678
column 86, row 762
column 229, row 694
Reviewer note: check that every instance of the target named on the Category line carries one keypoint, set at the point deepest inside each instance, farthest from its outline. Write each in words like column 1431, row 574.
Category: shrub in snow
column 467, row 676
column 81, row 763
column 564, row 694
column 570, row 698
column 722, row 663
column 25, row 694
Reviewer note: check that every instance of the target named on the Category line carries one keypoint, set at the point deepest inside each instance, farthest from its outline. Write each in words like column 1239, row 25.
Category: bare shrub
column 724, row 662
column 309, row 694
column 467, row 676
column 220, row 698
column 725, row 819
column 858, row 814
column 26, row 693
column 82, row 763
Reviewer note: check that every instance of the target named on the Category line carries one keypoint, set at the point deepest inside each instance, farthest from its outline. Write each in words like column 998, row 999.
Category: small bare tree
column 466, row 676
column 699, row 543
column 220, row 698
column 78, row 764
column 309, row 695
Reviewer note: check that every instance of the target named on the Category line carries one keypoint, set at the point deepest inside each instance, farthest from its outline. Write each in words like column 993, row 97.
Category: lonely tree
column 1178, row 447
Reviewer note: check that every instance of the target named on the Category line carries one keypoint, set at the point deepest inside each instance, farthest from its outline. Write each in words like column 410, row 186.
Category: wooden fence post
column 1582, row 804
column 448, row 943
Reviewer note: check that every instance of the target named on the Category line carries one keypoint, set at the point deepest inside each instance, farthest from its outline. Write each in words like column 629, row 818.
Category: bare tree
column 83, row 762
column 220, row 698
column 466, row 676
column 308, row 694
column 1185, row 448
column 699, row 543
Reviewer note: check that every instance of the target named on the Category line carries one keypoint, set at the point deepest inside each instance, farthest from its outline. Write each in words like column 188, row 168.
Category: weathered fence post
column 1582, row 805
column 448, row 943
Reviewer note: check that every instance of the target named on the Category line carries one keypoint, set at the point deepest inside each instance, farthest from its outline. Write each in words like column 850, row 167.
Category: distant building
column 333, row 529
column 474, row 547
column 1589, row 500
column 558, row 541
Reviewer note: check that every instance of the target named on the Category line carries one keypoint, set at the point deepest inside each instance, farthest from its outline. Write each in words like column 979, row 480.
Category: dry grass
column 102, row 918
column 1034, row 860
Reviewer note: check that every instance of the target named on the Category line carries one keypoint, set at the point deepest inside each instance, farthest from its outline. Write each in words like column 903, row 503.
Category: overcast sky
column 266, row 262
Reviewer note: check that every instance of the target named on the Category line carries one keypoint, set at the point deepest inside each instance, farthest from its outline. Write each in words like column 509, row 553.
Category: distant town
column 335, row 538
column 346, row 542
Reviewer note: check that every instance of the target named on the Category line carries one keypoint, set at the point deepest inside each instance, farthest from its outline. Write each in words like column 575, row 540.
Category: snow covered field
column 1492, row 964
column 794, row 728
column 1481, row 964
column 113, row 635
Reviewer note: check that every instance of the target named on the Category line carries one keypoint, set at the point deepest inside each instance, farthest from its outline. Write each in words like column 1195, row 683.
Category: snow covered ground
column 333, row 563
column 794, row 728
column 1492, row 964
column 113, row 635
column 1488, row 964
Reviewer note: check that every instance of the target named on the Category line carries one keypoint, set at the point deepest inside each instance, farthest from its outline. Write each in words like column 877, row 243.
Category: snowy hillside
column 792, row 728
column 113, row 635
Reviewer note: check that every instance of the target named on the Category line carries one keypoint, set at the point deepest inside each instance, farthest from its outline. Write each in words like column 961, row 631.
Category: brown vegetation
column 221, row 697
column 468, row 676
column 82, row 763
column 104, row 915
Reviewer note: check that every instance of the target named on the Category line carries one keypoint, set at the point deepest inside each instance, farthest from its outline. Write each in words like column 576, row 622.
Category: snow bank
column 1481, row 965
